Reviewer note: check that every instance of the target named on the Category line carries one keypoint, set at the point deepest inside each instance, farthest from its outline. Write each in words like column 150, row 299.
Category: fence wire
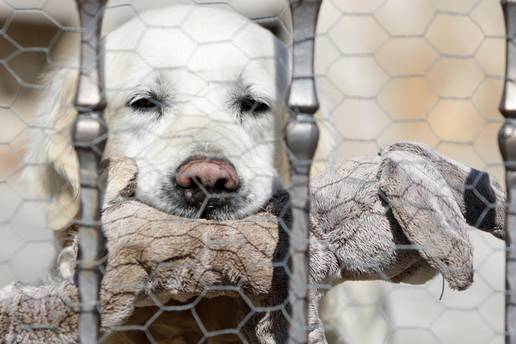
column 196, row 98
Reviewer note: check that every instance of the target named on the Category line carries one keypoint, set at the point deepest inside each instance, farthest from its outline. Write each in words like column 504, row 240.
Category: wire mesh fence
column 197, row 220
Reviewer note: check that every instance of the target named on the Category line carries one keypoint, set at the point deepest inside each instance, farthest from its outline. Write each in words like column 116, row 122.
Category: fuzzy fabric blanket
column 401, row 216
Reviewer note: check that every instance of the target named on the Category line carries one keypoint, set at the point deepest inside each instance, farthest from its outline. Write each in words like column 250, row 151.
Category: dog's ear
column 428, row 214
column 55, row 173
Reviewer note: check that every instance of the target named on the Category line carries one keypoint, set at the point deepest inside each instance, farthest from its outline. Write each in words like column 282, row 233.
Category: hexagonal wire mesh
column 389, row 70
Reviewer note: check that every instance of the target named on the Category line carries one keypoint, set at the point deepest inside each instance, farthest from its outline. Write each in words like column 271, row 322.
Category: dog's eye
column 251, row 105
column 145, row 104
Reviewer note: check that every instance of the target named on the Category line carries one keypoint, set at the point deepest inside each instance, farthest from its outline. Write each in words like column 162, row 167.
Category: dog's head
column 195, row 95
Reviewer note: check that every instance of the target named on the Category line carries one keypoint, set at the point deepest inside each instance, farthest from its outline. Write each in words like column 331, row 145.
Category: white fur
column 197, row 59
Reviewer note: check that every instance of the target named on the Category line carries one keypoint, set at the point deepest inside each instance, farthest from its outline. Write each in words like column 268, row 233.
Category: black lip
column 210, row 206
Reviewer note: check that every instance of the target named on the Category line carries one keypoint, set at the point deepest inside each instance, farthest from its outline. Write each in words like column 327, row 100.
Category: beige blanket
column 402, row 216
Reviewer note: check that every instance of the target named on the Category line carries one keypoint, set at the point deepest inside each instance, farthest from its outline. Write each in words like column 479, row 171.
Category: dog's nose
column 213, row 175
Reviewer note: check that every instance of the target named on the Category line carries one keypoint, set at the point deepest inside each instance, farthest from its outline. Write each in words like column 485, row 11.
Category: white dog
column 195, row 95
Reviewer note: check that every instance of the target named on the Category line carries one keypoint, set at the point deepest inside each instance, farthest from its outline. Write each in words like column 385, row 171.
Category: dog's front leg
column 272, row 327
column 268, row 324
column 316, row 333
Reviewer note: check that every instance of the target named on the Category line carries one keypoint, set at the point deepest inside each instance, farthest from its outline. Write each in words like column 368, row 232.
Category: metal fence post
column 302, row 135
column 90, row 134
column 507, row 140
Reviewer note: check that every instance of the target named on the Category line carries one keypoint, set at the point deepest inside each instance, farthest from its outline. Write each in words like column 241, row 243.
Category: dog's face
column 196, row 99
column 195, row 96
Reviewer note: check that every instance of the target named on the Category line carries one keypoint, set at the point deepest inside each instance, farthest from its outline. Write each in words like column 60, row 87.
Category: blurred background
column 388, row 70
